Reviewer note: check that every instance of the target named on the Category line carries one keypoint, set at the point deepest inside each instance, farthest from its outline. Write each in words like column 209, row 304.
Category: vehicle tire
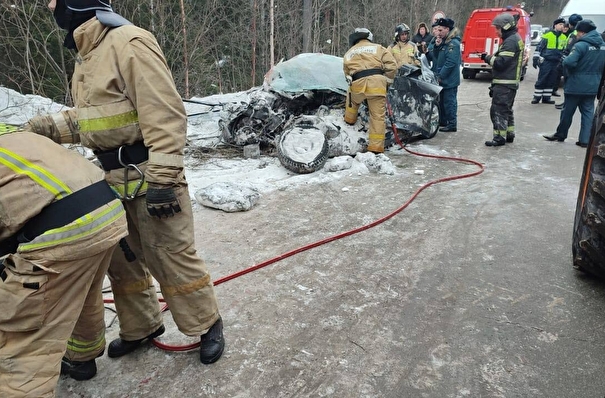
column 434, row 122
column 465, row 73
column 588, row 247
column 303, row 149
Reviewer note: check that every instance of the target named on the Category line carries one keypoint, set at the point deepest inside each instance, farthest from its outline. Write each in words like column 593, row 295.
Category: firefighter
column 506, row 66
column 404, row 51
column 547, row 56
column 369, row 68
column 58, row 247
column 128, row 111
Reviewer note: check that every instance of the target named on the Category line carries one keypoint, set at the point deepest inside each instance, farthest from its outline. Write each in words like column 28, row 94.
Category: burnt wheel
column 303, row 149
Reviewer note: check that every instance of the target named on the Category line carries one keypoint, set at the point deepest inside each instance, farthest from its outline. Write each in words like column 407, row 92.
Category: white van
column 588, row 9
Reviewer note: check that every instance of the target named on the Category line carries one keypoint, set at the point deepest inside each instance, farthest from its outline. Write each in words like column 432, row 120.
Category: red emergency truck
column 480, row 36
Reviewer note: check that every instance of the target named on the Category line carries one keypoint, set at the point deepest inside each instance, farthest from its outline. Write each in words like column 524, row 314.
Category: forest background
column 221, row 46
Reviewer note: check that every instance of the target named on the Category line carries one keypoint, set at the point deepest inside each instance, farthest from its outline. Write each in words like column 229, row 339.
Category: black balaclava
column 69, row 21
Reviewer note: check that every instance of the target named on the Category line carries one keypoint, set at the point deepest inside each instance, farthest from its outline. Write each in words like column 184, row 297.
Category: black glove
column 491, row 91
column 483, row 56
column 535, row 62
column 162, row 202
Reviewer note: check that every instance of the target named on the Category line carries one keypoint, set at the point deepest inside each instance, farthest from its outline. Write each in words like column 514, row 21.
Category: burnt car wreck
column 297, row 115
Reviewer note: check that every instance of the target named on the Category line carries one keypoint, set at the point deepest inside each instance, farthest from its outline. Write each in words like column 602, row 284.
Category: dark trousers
column 586, row 105
column 547, row 77
column 448, row 107
column 501, row 111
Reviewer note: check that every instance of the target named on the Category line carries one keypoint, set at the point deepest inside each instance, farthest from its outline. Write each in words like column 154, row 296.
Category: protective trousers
column 501, row 111
column 376, row 109
column 164, row 250
column 43, row 304
column 448, row 107
column 547, row 78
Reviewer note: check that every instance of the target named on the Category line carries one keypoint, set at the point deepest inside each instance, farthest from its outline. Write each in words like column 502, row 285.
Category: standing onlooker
column 506, row 66
column 422, row 38
column 128, row 110
column 404, row 51
column 584, row 68
column 444, row 52
column 547, row 56
column 368, row 67
column 571, row 39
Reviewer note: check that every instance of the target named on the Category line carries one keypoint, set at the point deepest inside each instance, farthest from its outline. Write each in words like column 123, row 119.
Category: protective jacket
column 117, row 94
column 507, row 61
column 366, row 56
column 404, row 53
column 585, row 64
column 551, row 46
column 446, row 58
column 32, row 176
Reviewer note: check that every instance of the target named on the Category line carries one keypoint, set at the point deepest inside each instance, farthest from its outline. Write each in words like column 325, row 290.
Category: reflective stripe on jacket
column 507, row 61
column 367, row 55
column 34, row 172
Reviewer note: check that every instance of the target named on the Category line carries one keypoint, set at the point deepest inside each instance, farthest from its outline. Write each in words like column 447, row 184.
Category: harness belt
column 366, row 73
column 131, row 154
column 60, row 213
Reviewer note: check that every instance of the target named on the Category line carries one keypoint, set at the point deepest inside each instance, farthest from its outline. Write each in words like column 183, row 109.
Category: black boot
column 119, row 347
column 212, row 343
column 79, row 370
column 547, row 100
column 535, row 100
column 510, row 137
column 498, row 140
column 553, row 137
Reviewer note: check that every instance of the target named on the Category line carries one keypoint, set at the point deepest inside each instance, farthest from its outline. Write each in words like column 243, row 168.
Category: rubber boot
column 547, row 100
column 212, row 344
column 119, row 347
column 498, row 140
column 510, row 136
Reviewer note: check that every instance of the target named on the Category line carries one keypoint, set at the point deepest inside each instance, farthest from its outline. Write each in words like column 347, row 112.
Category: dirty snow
column 245, row 178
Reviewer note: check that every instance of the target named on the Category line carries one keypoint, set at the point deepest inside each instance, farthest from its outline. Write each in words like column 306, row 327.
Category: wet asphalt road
column 469, row 292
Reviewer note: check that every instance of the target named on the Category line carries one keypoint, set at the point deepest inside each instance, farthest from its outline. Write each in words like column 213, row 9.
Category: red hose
column 334, row 237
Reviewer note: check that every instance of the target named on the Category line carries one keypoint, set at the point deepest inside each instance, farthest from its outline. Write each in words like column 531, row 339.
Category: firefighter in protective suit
column 404, row 51
column 369, row 68
column 57, row 248
column 506, row 66
column 128, row 111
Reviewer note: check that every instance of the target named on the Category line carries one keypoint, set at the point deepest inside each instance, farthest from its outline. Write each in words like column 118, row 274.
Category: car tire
column 588, row 246
column 303, row 149
column 434, row 122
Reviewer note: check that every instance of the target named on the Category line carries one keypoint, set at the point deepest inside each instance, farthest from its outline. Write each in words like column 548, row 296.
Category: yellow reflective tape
column 507, row 54
column 119, row 188
column 42, row 177
column 7, row 128
column 500, row 81
column 85, row 346
column 82, row 227
column 108, row 122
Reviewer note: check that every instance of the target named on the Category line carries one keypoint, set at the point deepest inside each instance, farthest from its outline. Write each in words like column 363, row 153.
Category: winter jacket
column 584, row 65
column 35, row 172
column 124, row 94
column 507, row 62
column 405, row 54
column 446, row 58
column 363, row 56
column 418, row 38
column 551, row 46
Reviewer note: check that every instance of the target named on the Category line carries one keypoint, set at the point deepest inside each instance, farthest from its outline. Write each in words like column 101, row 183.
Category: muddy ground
column 469, row 292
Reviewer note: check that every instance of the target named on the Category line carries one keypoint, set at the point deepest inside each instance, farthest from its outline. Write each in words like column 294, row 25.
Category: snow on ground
column 263, row 175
